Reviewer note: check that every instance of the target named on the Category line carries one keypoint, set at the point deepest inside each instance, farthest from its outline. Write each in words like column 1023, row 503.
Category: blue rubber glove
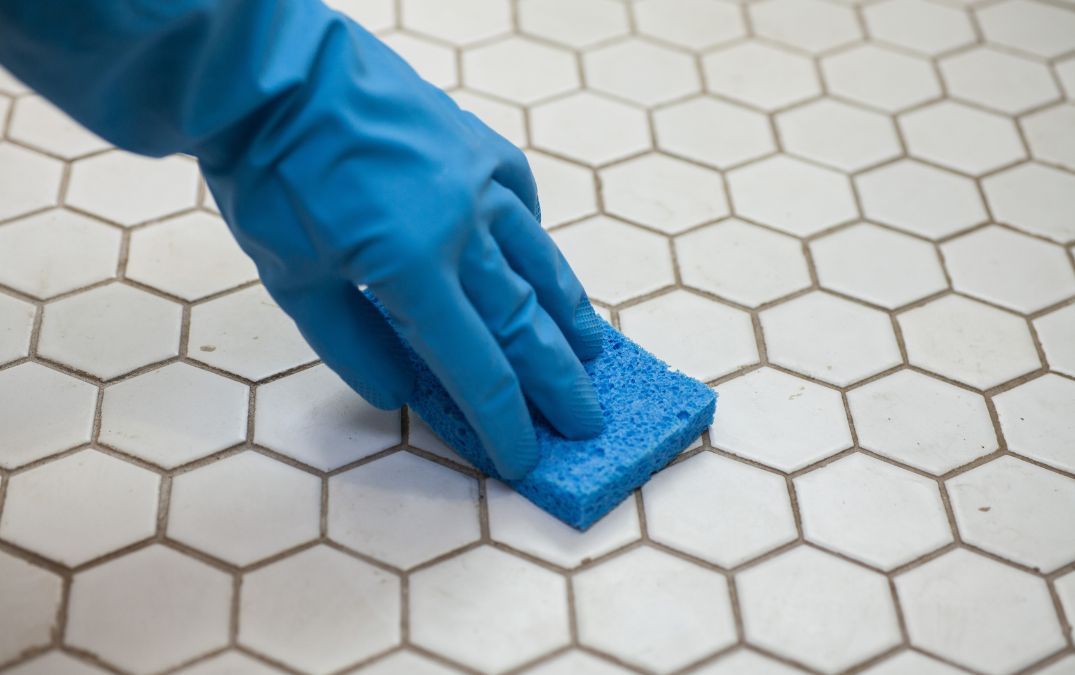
column 334, row 164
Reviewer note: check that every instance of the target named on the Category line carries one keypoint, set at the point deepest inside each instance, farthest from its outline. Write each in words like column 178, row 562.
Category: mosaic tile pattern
column 856, row 218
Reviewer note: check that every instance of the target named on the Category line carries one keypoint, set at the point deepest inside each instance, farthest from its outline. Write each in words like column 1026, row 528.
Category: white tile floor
column 854, row 218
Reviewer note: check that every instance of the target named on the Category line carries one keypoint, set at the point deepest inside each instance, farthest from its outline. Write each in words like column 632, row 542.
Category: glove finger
column 353, row 339
column 512, row 169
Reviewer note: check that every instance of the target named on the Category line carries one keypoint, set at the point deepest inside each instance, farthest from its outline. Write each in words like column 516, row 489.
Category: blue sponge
column 651, row 414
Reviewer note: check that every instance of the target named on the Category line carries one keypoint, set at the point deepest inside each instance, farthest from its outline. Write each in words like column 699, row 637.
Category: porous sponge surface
column 651, row 414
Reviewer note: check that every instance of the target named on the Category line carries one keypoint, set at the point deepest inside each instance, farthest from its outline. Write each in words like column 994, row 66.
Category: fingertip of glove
column 522, row 458
column 589, row 333
column 587, row 416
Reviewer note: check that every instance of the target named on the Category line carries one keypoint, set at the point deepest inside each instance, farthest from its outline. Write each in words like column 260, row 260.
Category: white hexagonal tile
column 978, row 613
column 1065, row 589
column 713, row 132
column 1012, row 270
column 664, row 193
column 880, row 77
column 30, row 597
column 505, row 119
column 589, row 128
column 28, row 181
column 461, row 22
column 174, row 415
column 520, row 69
column 838, row 135
column 488, row 609
column 745, row 662
column 244, row 508
column 1034, row 198
column 405, row 663
column 191, row 256
column 567, row 191
column 791, row 195
column 968, row 341
column 817, row 609
column 80, row 507
column 695, row 24
column 16, row 323
column 53, row 662
column 130, row 189
column 149, row 610
column 38, row 123
column 229, row 663
column 943, row 202
column 1051, row 134
column 315, row 418
column 962, row 138
column 779, row 420
column 877, row 265
column 403, row 509
column 1036, row 420
column 640, row 71
column 575, row 24
column 319, row 610
column 434, row 62
column 55, row 252
column 575, row 662
column 921, row 421
column 872, row 511
column 44, row 412
column 615, row 262
column 515, row 521
column 674, row 613
column 9, row 84
column 811, row 25
column 718, row 509
column 998, row 80
column 1057, row 334
column 829, row 338
column 1034, row 27
column 760, row 75
column 1064, row 666
column 374, row 15
column 1065, row 70
column 246, row 333
column 908, row 662
column 919, row 25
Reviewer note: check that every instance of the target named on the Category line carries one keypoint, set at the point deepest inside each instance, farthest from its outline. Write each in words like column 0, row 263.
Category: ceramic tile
column 505, row 119
column 174, row 415
column 149, row 610
column 1033, row 27
column 714, row 339
column 374, row 15
column 55, row 663
column 434, row 62
column 520, row 69
column 968, row 341
column 1057, row 334
column 1065, row 590
column 641, row 71
column 880, row 77
column 920, row 199
column 1049, row 134
column 246, row 333
column 962, row 138
column 919, row 25
column 44, row 412
column 664, row 193
column 312, row 416
column 39, row 124
column 16, row 323
column 229, row 663
column 574, row 24
column 779, row 420
column 908, row 662
column 489, row 610
column 244, row 508
column 998, row 80
column 838, row 135
column 694, row 24
column 817, row 609
column 28, row 181
column 566, row 189
column 405, row 663
column 460, row 22
column 9, row 84
column 810, row 25
column 1035, row 198
column 421, row 437
column 1036, row 420
column 311, row 611
column 1063, row 666
column 979, row 613
column 402, row 509
column 744, row 662
column 93, row 504
column 713, row 132
column 129, row 189
column 576, row 663
column 589, row 128
column 760, row 75
column 922, row 422
column 30, row 597
column 653, row 610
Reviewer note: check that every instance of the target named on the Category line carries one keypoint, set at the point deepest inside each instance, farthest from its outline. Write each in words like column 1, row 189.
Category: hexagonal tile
column 791, row 195
column 80, row 507
column 461, row 22
column 403, row 509
column 919, row 25
column 191, row 256
column 817, row 609
column 1035, row 198
column 30, row 597
column 829, row 338
column 1057, row 334
column 640, row 71
column 1065, row 588
column 872, row 511
column 779, row 420
column 1013, row 270
column 517, row 522
column 811, row 25
column 575, row 662
column 315, row 418
column 968, row 341
column 28, row 181
column 9, row 84
column 713, row 132
column 838, row 135
column 744, row 662
column 906, row 662
column 244, row 508
column 404, row 662
column 589, row 128
column 488, row 609
column 44, row 412
column 1036, row 420
column 434, row 62
column 943, row 202
column 505, row 119
column 693, row 605
column 921, row 421
column 16, row 323
column 695, row 24
column 998, row 80
column 575, row 24
column 1065, row 70
column 880, row 77
column 1033, row 27
column 319, row 610
column 55, row 252
column 149, row 610
column 374, row 15
column 664, row 193
column 1062, row 666
column 962, row 138
column 877, row 265
column 246, row 333
column 760, row 75
column 978, row 613
column 38, row 123
column 1051, row 135
column 130, row 189
column 615, row 262
column 566, row 190
column 520, row 69
column 55, row 662
column 229, row 663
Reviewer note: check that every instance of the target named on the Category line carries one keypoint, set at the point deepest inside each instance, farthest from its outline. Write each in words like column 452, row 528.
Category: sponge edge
column 651, row 414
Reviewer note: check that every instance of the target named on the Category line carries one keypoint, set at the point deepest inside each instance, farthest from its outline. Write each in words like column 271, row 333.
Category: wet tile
column 998, row 80
column 566, row 189
column 1033, row 27
column 640, row 71
column 962, row 138
column 664, row 193
column 589, row 128
column 713, row 132
column 811, row 25
column 129, row 189
column 880, row 77
column 1034, row 198
column 460, row 22
column 920, row 25
column 39, row 124
column 29, row 181
column 791, row 195
column 30, row 597
column 943, row 204
column 1036, row 420
column 838, row 135
column 16, row 323
column 520, row 69
column 44, row 412
column 1057, row 334
column 574, row 24
column 434, row 62
column 694, row 24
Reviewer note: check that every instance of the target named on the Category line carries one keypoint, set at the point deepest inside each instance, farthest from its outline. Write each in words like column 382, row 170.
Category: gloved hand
column 335, row 165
